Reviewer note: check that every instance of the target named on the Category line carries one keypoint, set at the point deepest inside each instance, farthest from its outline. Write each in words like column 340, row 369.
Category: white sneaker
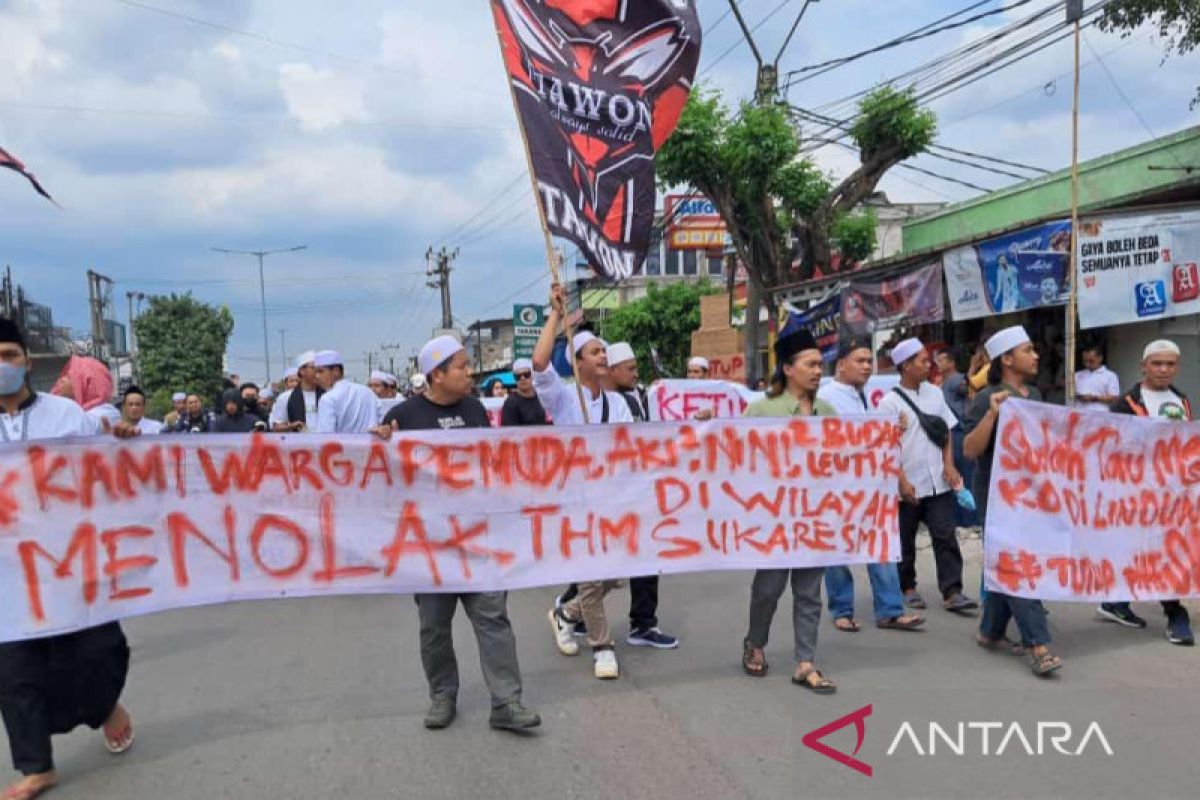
column 606, row 665
column 563, row 634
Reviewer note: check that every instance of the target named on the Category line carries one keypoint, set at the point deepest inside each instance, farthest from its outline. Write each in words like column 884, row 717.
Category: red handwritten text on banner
column 1093, row 506
column 94, row 530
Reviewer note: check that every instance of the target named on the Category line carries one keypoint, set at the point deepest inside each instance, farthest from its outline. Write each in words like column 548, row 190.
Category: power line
column 816, row 70
column 712, row 65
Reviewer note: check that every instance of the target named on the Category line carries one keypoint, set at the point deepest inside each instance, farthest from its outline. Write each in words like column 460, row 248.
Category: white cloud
column 322, row 98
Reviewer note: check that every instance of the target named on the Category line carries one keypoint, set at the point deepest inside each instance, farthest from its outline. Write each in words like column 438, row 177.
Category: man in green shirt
column 793, row 392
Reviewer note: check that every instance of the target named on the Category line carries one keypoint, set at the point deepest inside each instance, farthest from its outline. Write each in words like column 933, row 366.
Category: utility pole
column 391, row 350
column 131, row 339
column 439, row 278
column 262, row 288
column 97, row 295
column 283, row 347
column 6, row 294
column 1074, row 14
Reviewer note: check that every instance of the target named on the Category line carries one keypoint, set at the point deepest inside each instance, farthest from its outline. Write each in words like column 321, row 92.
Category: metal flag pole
column 553, row 259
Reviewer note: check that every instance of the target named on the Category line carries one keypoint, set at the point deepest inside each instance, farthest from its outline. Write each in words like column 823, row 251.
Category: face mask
column 12, row 378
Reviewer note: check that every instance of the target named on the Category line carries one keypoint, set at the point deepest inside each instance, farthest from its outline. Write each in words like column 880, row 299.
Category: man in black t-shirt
column 447, row 404
column 522, row 406
column 1014, row 366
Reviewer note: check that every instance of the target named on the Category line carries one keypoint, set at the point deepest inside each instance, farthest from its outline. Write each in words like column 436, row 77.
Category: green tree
column 181, row 347
column 1178, row 23
column 778, row 204
column 664, row 319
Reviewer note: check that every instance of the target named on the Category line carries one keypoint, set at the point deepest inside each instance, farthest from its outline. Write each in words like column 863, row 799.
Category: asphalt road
column 324, row 699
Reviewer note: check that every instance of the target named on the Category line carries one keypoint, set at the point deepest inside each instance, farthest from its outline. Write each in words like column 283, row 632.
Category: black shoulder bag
column 935, row 428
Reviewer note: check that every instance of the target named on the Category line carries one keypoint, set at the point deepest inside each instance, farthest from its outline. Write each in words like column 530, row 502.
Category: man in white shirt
column 53, row 684
column 698, row 368
column 928, row 477
column 385, row 387
column 346, row 407
column 846, row 393
column 133, row 411
column 296, row 409
column 1096, row 386
column 586, row 403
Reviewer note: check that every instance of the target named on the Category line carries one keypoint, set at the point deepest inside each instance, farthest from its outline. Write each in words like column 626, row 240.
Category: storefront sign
column 1010, row 273
column 1137, row 268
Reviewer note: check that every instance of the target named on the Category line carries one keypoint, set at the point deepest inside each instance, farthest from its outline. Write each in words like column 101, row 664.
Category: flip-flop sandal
column 748, row 661
column 122, row 744
column 1004, row 645
column 895, row 624
column 822, row 686
column 851, row 625
column 1044, row 664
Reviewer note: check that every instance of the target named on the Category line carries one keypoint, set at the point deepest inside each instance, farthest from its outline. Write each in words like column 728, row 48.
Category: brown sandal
column 1004, row 645
column 822, row 686
column 754, row 667
column 851, row 625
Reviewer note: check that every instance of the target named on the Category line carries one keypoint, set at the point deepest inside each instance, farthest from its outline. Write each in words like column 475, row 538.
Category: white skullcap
column 328, row 358
column 906, row 350
column 619, row 353
column 378, row 375
column 522, row 365
column 305, row 358
column 699, row 361
column 581, row 340
column 1160, row 347
column 437, row 352
column 267, row 393
column 292, row 372
column 390, row 379
column 175, row 398
column 1006, row 341
column 417, row 381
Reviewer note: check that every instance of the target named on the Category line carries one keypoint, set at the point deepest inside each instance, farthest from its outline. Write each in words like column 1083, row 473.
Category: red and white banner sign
column 92, row 531
column 677, row 400
column 1092, row 506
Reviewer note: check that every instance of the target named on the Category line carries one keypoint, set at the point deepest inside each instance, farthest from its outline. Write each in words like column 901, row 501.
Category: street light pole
column 262, row 288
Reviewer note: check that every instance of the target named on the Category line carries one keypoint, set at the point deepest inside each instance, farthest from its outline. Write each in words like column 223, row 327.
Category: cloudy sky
column 369, row 130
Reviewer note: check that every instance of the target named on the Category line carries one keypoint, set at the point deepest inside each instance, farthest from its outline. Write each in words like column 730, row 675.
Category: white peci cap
column 437, row 352
column 328, row 358
column 906, row 350
column 522, row 365
column 700, row 362
column 1006, row 341
column 417, row 381
column 378, row 375
column 305, row 358
column 1160, row 347
column 619, row 353
column 178, row 397
column 581, row 339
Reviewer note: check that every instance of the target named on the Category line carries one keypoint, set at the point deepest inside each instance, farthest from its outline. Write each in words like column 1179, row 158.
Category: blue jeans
column 885, row 589
column 1029, row 615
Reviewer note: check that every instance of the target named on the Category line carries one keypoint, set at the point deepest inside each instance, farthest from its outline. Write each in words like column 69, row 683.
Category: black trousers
column 939, row 513
column 643, row 601
column 51, row 686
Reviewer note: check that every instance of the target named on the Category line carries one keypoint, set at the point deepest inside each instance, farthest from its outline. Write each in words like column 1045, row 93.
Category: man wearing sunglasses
column 522, row 406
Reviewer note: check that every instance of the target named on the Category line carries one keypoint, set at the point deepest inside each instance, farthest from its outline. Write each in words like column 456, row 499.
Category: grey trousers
column 768, row 587
column 488, row 612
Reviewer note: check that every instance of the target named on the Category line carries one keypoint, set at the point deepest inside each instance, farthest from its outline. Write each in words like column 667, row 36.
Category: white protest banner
column 678, row 400
column 92, row 531
column 1091, row 506
column 1138, row 267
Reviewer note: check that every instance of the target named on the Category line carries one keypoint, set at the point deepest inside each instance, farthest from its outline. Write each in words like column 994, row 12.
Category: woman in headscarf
column 89, row 383
column 53, row 684
column 234, row 418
